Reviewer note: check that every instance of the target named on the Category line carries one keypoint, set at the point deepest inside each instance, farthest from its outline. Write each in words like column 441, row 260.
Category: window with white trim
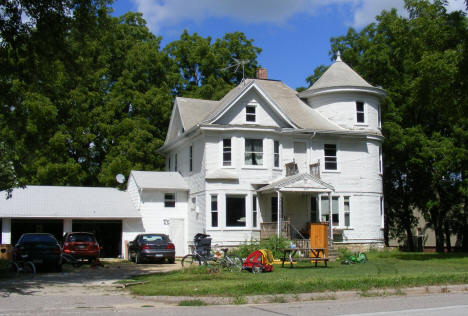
column 169, row 200
column 254, row 152
column 380, row 160
column 254, row 211
column 214, row 210
column 250, row 115
column 347, row 211
column 360, row 118
column 382, row 213
column 235, row 211
column 276, row 156
column 227, row 149
column 335, row 210
column 331, row 162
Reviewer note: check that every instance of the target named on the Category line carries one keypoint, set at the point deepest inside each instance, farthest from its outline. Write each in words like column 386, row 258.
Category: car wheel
column 171, row 260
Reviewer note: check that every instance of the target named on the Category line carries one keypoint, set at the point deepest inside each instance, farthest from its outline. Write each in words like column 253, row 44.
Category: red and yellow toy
column 259, row 261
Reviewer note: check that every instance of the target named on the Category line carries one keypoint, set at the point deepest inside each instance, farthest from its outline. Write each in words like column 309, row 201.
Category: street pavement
column 447, row 304
column 93, row 292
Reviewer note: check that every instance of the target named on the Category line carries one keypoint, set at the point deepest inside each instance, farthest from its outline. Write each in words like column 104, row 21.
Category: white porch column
column 6, row 231
column 330, row 215
column 278, row 228
column 67, row 225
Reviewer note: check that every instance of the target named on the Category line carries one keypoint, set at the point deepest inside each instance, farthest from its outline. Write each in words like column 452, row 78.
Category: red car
column 81, row 245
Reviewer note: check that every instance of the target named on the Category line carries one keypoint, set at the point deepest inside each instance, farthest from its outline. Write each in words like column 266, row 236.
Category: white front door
column 176, row 234
column 300, row 156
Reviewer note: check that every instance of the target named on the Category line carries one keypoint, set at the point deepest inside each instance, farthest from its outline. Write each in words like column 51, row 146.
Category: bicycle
column 231, row 263
column 201, row 253
column 18, row 267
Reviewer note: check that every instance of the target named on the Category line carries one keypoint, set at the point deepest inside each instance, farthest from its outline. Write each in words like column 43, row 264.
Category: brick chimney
column 262, row 73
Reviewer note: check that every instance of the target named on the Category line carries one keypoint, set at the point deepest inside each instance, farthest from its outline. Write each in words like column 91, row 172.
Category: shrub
column 275, row 244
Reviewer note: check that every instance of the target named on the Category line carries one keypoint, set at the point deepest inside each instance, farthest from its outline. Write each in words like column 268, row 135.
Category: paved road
column 91, row 292
column 450, row 304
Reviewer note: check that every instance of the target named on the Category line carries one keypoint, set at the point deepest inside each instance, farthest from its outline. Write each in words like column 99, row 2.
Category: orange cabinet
column 319, row 236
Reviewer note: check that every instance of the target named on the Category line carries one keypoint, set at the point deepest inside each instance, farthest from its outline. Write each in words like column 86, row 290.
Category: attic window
column 360, row 112
column 250, row 113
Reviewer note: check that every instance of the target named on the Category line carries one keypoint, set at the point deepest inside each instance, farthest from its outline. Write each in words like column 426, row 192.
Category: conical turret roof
column 339, row 74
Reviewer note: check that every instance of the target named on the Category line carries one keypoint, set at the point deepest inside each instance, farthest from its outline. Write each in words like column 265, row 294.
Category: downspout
column 278, row 215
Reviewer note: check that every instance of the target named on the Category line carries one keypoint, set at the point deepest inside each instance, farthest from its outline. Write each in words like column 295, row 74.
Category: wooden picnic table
column 305, row 254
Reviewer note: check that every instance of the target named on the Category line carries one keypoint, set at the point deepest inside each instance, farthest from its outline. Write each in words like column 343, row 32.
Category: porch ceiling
column 302, row 182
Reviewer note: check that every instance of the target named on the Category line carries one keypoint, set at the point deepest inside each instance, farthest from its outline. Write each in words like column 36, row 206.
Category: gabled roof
column 67, row 202
column 163, row 180
column 301, row 182
column 193, row 111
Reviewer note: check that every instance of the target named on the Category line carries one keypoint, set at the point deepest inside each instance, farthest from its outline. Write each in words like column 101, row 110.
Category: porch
column 290, row 204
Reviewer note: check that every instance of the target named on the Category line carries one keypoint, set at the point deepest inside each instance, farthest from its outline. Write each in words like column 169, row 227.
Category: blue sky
column 294, row 34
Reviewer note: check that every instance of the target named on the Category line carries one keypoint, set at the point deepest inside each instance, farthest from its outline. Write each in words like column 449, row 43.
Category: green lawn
column 384, row 270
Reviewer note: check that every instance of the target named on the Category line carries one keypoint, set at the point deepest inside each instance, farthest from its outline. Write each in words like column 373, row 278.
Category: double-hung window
column 326, row 210
column 227, row 149
column 169, row 200
column 250, row 115
column 254, row 211
column 331, row 162
column 276, row 156
column 360, row 118
column 214, row 211
column 254, row 152
column 347, row 211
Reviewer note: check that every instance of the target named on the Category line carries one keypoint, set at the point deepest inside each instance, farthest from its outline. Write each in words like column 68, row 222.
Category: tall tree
column 420, row 61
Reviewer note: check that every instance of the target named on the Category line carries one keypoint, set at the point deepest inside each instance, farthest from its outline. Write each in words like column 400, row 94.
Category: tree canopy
column 422, row 62
column 86, row 96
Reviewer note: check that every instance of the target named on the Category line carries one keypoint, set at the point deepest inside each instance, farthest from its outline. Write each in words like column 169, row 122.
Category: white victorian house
column 263, row 160
column 265, row 154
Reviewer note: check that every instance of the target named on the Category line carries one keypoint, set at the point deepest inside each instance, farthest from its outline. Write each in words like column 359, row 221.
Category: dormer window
column 360, row 118
column 250, row 114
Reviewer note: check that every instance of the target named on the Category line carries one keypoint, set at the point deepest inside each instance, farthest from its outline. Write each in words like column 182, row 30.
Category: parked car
column 41, row 249
column 81, row 245
column 151, row 247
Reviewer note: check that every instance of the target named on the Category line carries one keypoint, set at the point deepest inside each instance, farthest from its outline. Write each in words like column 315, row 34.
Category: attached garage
column 108, row 234
column 57, row 210
column 21, row 226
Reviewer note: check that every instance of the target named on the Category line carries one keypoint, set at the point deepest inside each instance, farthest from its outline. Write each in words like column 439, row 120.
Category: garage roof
column 159, row 180
column 67, row 202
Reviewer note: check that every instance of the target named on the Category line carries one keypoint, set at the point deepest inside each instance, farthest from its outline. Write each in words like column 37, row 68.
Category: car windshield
column 81, row 238
column 43, row 238
column 154, row 238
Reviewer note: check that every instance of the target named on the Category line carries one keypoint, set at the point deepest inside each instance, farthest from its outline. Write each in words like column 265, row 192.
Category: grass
column 385, row 270
column 192, row 303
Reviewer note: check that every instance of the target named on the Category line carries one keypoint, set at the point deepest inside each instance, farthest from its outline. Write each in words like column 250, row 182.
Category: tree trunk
column 439, row 235
column 447, row 239
column 409, row 238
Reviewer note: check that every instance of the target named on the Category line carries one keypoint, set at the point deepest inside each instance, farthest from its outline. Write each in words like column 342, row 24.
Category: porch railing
column 270, row 229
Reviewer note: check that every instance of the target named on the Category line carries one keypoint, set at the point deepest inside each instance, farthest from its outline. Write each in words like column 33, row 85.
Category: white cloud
column 166, row 13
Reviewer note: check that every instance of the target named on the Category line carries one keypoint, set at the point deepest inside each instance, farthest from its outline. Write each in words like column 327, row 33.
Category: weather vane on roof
column 238, row 63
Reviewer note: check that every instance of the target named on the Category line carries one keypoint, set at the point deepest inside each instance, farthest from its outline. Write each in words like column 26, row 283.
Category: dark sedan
column 42, row 249
column 147, row 247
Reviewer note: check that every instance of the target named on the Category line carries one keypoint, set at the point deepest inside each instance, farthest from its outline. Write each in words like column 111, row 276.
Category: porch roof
column 302, row 182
